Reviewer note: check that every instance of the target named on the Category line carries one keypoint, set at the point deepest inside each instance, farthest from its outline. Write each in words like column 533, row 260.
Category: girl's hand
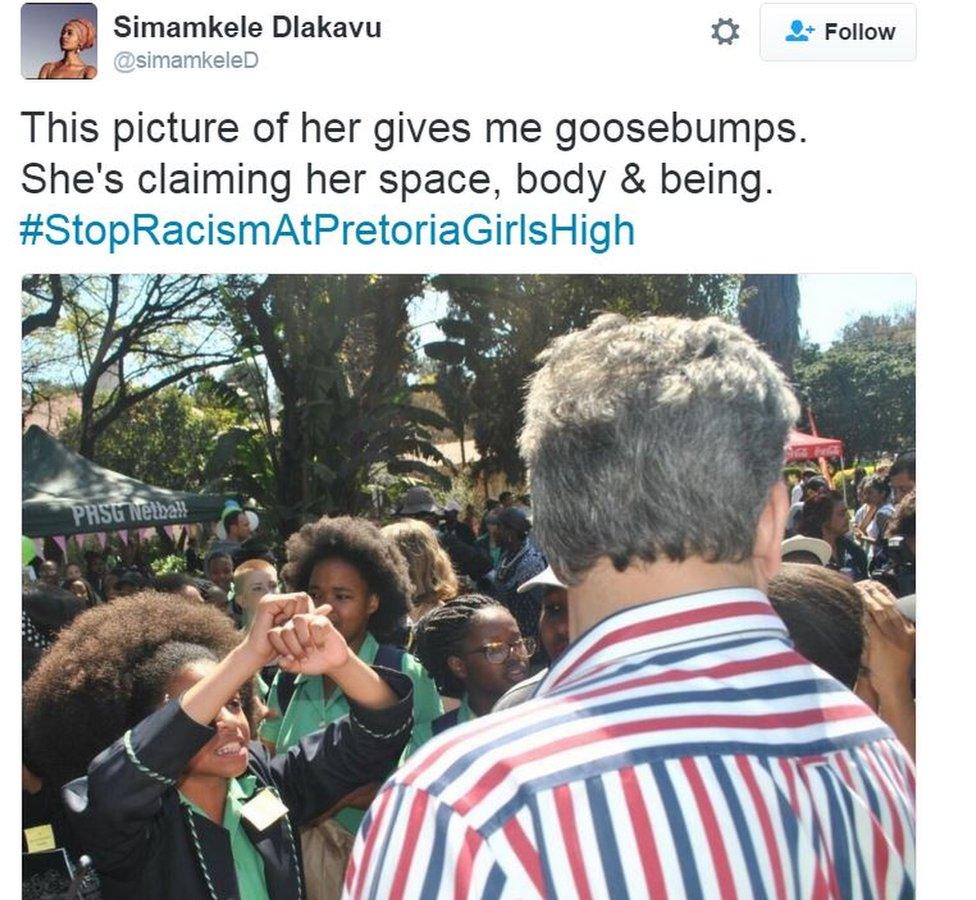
column 203, row 701
column 890, row 639
column 273, row 611
column 309, row 644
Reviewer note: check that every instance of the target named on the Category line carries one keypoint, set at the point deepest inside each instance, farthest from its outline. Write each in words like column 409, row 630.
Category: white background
column 883, row 184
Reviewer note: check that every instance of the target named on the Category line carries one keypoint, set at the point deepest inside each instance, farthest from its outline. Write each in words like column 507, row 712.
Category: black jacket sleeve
column 359, row 748
column 115, row 808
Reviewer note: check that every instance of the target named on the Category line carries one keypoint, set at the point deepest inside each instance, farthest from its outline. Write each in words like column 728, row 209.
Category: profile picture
column 58, row 40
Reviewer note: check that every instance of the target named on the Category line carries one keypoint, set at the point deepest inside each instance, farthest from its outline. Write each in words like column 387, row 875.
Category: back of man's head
column 653, row 438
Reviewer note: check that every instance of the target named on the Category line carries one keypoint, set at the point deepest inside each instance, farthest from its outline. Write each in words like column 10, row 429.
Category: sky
column 827, row 304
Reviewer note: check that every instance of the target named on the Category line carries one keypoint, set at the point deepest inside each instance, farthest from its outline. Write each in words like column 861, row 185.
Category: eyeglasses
column 498, row 653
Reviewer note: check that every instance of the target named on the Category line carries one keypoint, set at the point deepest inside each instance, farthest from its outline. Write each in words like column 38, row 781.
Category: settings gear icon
column 725, row 31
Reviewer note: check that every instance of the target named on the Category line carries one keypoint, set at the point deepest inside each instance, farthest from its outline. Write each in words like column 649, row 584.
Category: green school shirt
column 310, row 710
column 248, row 864
column 423, row 733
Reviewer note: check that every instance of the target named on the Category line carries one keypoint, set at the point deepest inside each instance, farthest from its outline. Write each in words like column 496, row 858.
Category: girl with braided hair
column 180, row 804
column 474, row 650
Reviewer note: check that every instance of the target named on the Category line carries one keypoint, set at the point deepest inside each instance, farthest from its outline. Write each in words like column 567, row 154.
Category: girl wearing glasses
column 474, row 651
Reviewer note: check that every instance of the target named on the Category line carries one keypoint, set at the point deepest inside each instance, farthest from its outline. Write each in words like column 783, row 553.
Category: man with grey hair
column 679, row 746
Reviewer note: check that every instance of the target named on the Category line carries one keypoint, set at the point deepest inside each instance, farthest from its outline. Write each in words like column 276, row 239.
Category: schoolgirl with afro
column 145, row 703
column 349, row 564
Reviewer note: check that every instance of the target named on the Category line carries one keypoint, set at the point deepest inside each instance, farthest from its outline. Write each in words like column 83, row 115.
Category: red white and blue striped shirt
column 681, row 748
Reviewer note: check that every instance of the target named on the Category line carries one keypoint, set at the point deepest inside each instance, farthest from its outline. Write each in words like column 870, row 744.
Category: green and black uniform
column 307, row 708
column 424, row 732
column 149, row 842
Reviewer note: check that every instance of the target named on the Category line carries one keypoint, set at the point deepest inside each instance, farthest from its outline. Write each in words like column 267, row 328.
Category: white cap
column 547, row 578
column 820, row 549
column 252, row 518
column 906, row 606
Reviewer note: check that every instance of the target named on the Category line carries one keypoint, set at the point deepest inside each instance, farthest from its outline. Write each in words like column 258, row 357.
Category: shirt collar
column 238, row 790
column 660, row 625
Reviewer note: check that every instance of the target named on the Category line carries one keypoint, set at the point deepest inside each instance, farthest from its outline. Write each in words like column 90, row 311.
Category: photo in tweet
column 269, row 502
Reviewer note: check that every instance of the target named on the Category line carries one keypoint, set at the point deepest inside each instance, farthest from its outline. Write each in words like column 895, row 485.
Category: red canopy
column 806, row 446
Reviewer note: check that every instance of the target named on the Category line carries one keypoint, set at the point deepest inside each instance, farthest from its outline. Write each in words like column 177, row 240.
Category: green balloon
column 27, row 550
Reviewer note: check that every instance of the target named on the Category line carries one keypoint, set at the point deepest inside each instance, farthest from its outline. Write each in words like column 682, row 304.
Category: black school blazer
column 145, row 844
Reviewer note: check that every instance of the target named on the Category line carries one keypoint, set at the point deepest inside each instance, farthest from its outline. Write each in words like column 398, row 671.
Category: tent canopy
column 802, row 447
column 64, row 493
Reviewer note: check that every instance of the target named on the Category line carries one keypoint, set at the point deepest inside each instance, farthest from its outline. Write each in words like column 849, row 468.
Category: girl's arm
column 890, row 658
column 326, row 766
column 116, row 807
column 309, row 644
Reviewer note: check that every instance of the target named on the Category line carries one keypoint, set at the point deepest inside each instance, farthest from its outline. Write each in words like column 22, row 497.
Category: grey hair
column 653, row 437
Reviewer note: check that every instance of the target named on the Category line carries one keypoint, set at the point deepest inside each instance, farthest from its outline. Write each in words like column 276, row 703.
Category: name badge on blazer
column 264, row 809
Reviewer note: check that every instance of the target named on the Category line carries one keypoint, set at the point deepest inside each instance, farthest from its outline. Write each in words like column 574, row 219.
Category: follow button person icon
column 798, row 32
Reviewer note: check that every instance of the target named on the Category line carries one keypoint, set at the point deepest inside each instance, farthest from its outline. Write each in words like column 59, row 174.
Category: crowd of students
column 452, row 705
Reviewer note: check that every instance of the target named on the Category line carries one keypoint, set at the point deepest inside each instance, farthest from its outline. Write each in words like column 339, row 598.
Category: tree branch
column 49, row 317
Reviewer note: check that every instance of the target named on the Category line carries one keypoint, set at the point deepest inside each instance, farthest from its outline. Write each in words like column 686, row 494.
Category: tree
column 166, row 440
column 45, row 355
column 451, row 384
column 131, row 336
column 330, row 356
column 43, row 298
column 862, row 389
column 898, row 327
column 503, row 322
column 769, row 310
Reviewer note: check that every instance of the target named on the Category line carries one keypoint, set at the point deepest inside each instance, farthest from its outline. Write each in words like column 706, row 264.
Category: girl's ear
column 372, row 604
column 458, row 667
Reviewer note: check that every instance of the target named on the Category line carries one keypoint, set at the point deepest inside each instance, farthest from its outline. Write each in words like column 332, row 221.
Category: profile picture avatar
column 58, row 40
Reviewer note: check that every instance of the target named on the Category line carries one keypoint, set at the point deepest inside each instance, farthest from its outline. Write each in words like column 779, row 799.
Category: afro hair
column 89, row 687
column 362, row 545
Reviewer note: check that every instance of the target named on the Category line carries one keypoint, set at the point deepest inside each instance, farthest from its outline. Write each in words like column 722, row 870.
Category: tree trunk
column 291, row 461
column 86, row 430
column 769, row 310
column 48, row 318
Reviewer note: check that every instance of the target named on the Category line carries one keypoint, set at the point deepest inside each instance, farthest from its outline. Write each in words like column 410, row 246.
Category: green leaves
column 504, row 321
column 166, row 440
column 339, row 410
column 862, row 389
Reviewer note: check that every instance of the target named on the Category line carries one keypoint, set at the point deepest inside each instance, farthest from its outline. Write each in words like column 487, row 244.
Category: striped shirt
column 681, row 748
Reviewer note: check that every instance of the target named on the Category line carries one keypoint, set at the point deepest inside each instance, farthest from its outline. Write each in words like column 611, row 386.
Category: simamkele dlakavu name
column 126, row 26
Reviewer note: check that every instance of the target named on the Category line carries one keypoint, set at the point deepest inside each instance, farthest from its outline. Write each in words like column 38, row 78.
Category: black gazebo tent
column 64, row 493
